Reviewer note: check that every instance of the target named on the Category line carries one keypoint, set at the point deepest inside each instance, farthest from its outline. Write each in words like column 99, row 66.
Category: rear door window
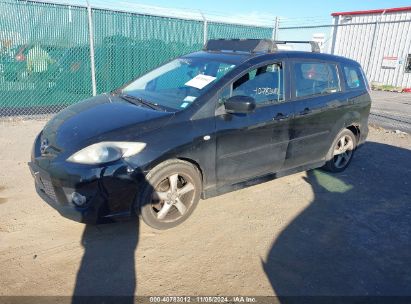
column 315, row 78
column 353, row 78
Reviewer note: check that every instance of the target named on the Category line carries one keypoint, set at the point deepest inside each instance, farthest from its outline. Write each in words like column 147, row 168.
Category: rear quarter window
column 353, row 78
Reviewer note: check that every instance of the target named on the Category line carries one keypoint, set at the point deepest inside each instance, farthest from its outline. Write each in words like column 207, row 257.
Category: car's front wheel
column 171, row 193
column 342, row 151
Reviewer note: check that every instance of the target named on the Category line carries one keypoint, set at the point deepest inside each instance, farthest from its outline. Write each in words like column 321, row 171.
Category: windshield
column 177, row 84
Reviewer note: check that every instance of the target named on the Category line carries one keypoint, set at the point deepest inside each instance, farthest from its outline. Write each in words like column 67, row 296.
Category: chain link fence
column 42, row 49
column 45, row 56
column 306, row 33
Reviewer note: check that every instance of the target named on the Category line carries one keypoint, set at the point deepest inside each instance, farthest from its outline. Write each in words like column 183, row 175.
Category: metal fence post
column 92, row 61
column 205, row 27
column 275, row 28
column 334, row 30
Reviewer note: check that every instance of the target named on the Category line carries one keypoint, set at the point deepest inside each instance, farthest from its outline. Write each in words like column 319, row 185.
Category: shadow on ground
column 108, row 264
column 355, row 237
column 107, row 272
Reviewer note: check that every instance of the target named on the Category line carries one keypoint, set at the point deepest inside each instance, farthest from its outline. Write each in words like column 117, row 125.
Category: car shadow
column 354, row 238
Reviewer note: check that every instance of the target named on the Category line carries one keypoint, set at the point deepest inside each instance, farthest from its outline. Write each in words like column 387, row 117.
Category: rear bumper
column 363, row 135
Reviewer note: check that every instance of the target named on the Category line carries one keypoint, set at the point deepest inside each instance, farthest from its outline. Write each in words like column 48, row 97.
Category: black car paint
column 243, row 149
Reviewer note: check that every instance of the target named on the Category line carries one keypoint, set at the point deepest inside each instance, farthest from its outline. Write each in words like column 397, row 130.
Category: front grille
column 48, row 189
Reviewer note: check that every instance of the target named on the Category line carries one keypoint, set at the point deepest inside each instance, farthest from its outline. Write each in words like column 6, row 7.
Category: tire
column 341, row 152
column 163, row 206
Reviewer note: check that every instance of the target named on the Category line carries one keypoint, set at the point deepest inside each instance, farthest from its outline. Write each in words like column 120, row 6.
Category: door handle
column 305, row 111
column 349, row 101
column 280, row 116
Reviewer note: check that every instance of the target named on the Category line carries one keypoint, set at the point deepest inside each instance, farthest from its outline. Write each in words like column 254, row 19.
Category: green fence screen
column 45, row 51
column 223, row 30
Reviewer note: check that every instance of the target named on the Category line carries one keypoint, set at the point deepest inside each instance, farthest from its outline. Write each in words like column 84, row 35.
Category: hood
column 101, row 118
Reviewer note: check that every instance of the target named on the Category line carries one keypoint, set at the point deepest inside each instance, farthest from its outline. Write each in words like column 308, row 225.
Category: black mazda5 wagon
column 238, row 113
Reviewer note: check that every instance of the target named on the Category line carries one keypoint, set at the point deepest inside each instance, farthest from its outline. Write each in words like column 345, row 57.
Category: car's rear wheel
column 341, row 152
column 171, row 193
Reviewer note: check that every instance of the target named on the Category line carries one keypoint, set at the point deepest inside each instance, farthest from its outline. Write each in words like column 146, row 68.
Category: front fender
column 190, row 140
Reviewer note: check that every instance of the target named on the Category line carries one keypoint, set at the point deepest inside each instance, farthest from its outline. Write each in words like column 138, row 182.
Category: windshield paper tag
column 189, row 98
column 200, row 81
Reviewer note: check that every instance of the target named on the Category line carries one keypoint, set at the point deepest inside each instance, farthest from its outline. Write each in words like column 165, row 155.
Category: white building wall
column 369, row 38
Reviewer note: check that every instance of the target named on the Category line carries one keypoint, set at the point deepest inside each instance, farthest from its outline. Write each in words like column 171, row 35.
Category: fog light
column 78, row 199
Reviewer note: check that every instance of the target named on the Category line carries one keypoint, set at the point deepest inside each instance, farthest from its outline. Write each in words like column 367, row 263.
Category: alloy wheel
column 343, row 151
column 172, row 197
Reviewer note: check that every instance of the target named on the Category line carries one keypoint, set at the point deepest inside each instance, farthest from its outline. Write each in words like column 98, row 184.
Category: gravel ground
column 311, row 233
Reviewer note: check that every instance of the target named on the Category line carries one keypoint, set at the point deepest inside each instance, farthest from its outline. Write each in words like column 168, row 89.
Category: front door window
column 265, row 84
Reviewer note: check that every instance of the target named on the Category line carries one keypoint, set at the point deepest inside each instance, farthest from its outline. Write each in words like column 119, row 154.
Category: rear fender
column 349, row 119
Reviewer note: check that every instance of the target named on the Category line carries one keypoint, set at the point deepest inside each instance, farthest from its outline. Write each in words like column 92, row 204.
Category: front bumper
column 110, row 191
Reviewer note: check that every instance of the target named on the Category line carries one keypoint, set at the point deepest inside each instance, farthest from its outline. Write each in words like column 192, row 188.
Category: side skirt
column 214, row 191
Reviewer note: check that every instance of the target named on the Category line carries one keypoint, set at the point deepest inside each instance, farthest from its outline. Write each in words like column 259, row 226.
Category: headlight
column 106, row 151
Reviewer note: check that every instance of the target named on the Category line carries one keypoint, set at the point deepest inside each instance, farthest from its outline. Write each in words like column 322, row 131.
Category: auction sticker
column 200, row 81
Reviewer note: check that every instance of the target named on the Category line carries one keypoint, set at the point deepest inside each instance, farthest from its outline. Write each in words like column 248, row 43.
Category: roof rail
column 252, row 45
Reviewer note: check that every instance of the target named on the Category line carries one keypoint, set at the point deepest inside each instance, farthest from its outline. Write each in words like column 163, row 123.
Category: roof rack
column 252, row 45
column 241, row 45
column 315, row 48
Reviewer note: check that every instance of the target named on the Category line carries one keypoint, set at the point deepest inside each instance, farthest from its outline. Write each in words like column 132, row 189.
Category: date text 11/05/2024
column 203, row 299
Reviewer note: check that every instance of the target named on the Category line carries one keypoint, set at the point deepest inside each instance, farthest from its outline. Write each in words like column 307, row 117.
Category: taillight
column 364, row 77
column 20, row 57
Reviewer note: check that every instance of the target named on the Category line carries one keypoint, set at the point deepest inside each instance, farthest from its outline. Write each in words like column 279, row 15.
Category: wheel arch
column 169, row 157
column 195, row 164
column 349, row 121
column 355, row 129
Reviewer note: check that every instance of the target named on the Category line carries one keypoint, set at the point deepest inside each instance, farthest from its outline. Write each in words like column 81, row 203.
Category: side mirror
column 240, row 104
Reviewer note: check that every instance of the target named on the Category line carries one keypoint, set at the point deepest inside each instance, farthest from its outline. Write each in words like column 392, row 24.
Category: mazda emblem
column 44, row 145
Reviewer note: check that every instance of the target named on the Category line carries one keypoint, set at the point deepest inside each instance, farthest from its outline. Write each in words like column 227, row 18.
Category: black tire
column 158, row 181
column 333, row 164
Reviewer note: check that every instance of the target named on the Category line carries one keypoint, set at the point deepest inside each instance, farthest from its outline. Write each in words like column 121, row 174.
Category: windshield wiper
column 138, row 100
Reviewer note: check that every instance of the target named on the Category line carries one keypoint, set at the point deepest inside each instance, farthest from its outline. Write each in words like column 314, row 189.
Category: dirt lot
column 309, row 233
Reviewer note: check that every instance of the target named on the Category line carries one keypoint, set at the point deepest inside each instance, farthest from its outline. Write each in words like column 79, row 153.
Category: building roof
column 376, row 11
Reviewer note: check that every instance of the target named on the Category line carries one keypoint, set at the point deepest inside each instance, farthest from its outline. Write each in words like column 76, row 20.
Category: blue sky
column 289, row 9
